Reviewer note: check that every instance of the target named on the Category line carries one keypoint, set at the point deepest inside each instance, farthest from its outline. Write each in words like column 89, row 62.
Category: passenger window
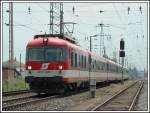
column 75, row 59
column 85, row 61
column 72, row 59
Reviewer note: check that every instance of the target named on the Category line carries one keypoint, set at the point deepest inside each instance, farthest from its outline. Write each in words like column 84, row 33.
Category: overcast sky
column 132, row 27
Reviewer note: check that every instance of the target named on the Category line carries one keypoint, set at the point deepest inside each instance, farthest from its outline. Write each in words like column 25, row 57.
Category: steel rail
column 114, row 96
column 14, row 92
column 136, row 96
column 26, row 103
column 17, row 99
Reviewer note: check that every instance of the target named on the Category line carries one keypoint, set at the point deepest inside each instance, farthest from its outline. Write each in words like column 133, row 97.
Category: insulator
column 29, row 10
column 128, row 9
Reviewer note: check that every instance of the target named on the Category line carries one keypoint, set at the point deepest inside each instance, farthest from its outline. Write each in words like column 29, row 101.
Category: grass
column 17, row 84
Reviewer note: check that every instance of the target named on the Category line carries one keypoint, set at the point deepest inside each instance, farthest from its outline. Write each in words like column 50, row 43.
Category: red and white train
column 55, row 65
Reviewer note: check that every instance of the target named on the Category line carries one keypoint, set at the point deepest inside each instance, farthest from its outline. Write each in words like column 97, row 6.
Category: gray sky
column 131, row 27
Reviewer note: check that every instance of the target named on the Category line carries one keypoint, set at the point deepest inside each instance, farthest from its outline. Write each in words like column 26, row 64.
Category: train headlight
column 60, row 67
column 29, row 67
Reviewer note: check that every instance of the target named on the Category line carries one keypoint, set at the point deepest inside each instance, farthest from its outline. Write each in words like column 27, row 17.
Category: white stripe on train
column 76, row 75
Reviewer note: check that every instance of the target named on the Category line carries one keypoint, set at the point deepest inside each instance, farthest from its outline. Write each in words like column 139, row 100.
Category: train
column 55, row 64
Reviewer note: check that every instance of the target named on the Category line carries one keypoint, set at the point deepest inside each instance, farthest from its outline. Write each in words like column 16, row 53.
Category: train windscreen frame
column 46, row 54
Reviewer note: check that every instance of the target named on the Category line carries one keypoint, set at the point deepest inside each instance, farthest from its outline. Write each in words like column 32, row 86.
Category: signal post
column 122, row 55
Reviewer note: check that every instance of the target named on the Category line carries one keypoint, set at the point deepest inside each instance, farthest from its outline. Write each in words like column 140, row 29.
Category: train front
column 46, row 62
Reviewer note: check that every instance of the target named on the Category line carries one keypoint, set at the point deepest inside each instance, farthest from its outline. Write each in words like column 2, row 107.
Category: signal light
column 122, row 44
column 122, row 53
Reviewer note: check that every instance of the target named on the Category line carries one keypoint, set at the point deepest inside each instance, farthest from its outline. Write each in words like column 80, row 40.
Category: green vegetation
column 17, row 83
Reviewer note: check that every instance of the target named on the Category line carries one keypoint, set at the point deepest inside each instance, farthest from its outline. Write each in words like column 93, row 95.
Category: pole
column 107, row 71
column 101, row 38
column 20, row 63
column 11, row 52
column 90, row 65
column 61, row 20
column 122, row 70
column 92, row 82
column 11, row 33
column 51, row 18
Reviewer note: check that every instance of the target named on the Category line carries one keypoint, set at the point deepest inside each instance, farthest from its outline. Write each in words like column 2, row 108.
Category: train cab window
column 47, row 54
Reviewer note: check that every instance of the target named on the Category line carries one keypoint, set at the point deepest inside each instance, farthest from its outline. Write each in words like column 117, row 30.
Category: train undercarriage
column 53, row 85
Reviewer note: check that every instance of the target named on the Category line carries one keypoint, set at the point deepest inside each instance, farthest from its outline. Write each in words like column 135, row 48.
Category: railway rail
column 29, row 101
column 10, row 93
column 16, row 100
column 124, row 100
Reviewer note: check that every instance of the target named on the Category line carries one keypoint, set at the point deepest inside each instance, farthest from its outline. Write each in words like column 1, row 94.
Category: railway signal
column 122, row 54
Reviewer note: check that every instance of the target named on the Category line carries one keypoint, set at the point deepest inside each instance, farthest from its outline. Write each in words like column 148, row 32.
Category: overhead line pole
column 11, row 46
column 61, row 20
column 101, row 25
column 51, row 18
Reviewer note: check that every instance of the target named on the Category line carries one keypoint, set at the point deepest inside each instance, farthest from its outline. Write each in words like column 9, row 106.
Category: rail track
column 124, row 100
column 10, row 93
column 17, row 100
column 25, row 101
column 12, row 104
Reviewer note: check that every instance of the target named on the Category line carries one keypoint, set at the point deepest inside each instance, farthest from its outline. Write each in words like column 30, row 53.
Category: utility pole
column 101, row 38
column 91, row 81
column 11, row 46
column 51, row 19
column 20, row 64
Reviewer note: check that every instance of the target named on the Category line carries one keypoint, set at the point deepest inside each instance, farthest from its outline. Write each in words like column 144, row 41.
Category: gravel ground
column 142, row 103
column 78, row 102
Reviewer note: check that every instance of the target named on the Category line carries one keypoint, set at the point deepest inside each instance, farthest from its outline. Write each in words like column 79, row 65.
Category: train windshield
column 47, row 54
